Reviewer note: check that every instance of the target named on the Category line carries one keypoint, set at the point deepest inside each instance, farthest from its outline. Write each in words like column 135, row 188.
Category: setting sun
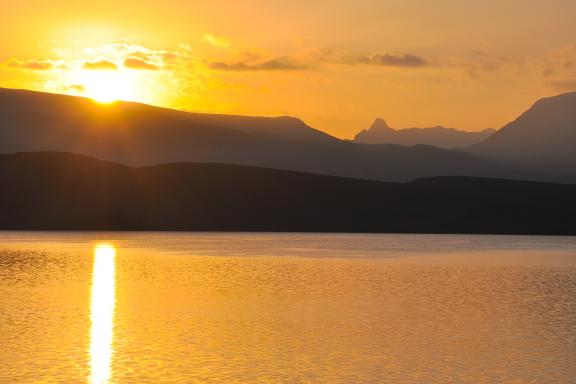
column 108, row 86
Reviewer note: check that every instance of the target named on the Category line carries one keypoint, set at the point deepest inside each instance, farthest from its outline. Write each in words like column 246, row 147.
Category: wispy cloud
column 133, row 56
column 313, row 59
column 390, row 60
column 284, row 63
column 217, row 41
column 77, row 88
column 140, row 64
column 36, row 65
column 100, row 65
column 307, row 61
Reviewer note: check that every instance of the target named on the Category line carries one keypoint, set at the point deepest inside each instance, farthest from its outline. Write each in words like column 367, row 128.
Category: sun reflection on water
column 102, row 313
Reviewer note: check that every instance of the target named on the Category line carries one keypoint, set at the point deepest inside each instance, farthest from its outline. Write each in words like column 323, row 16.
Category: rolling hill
column 59, row 191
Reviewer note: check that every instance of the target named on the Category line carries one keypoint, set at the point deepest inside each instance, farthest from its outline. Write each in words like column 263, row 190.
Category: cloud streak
column 100, row 65
column 217, row 41
column 308, row 62
column 388, row 60
column 36, row 65
column 140, row 64
column 75, row 88
column 284, row 63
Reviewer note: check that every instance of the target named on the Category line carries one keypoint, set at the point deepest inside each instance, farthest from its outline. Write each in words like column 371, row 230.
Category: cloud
column 217, row 41
column 75, row 88
column 115, row 50
column 306, row 61
column 388, row 60
column 284, row 63
column 36, row 65
column 137, row 63
column 100, row 65
column 560, row 61
column 377, row 59
column 135, row 56
column 185, row 47
column 563, row 85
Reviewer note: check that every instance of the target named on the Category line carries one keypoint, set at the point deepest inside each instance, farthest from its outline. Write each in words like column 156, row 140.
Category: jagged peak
column 380, row 124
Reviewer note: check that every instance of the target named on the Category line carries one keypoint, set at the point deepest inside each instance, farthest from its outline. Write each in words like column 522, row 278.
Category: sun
column 109, row 86
column 114, row 83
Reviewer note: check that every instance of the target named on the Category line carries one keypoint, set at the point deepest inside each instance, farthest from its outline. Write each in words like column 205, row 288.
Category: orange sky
column 337, row 64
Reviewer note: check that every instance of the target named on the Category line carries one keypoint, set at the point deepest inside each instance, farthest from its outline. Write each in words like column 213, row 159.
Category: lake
column 286, row 308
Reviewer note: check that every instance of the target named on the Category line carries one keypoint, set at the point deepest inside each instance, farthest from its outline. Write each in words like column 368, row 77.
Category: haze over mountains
column 138, row 134
column 60, row 191
column 381, row 133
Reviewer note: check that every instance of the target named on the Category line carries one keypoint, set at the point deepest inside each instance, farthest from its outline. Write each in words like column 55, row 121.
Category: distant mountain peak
column 381, row 133
column 380, row 124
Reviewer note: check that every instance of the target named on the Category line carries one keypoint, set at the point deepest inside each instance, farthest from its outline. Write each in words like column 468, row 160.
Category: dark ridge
column 60, row 191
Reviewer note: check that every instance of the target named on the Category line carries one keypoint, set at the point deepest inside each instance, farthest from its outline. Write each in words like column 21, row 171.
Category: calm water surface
column 286, row 308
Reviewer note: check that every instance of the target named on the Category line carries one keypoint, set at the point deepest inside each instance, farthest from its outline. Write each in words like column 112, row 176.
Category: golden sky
column 337, row 64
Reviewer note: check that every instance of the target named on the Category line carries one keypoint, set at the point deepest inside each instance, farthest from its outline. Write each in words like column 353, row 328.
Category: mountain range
column 60, row 191
column 381, row 133
column 138, row 134
column 540, row 145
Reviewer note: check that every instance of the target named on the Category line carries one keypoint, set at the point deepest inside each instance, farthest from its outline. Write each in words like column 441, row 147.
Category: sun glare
column 107, row 86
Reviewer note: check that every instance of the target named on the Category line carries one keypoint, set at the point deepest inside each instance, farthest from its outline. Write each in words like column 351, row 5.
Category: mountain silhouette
column 60, row 191
column 381, row 133
column 138, row 134
column 543, row 138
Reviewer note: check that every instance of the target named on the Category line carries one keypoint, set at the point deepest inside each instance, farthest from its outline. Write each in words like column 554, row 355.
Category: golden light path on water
column 102, row 313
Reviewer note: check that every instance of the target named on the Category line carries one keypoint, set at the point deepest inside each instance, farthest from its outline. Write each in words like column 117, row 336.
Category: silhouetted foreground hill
column 59, row 191
column 138, row 134
column 380, row 133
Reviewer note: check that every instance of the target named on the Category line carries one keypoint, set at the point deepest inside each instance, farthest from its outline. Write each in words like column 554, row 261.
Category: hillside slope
column 61, row 191
column 544, row 137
